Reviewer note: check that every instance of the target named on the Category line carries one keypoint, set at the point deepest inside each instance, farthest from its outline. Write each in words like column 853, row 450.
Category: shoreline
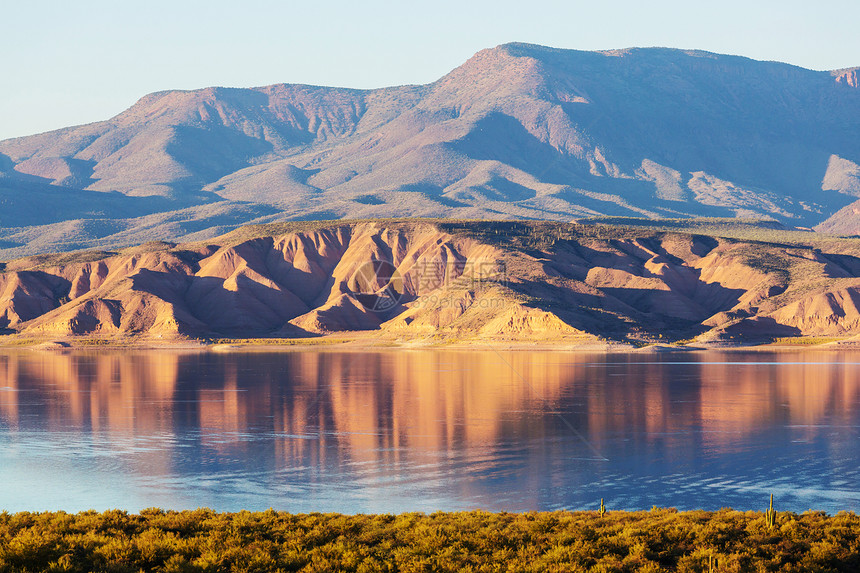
column 367, row 342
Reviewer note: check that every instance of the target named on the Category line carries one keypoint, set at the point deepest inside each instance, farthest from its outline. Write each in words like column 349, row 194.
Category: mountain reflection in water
column 427, row 430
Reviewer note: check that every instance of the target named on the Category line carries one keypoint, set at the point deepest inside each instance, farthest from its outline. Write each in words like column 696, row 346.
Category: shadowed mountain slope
column 518, row 131
column 434, row 280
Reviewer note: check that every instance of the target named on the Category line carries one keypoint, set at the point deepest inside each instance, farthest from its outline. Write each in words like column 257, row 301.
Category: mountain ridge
column 519, row 130
column 704, row 282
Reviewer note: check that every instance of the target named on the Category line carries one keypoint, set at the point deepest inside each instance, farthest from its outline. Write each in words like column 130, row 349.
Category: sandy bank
column 368, row 342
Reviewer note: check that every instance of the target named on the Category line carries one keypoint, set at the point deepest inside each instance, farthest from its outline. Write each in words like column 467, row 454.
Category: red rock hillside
column 414, row 280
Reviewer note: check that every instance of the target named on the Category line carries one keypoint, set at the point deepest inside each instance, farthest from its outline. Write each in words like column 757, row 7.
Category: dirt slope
column 414, row 280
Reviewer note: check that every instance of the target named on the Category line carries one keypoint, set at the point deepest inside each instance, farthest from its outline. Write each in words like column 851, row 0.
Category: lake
column 395, row 431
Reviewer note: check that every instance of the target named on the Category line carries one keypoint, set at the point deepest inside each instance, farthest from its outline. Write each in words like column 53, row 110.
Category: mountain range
column 473, row 282
column 517, row 132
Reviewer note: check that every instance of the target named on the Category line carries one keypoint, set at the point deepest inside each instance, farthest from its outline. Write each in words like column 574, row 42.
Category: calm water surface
column 423, row 431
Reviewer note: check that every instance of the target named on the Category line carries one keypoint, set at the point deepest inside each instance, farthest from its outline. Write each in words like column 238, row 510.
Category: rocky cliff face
column 414, row 280
column 517, row 131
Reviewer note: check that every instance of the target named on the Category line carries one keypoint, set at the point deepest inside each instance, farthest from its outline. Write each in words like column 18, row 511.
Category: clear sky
column 66, row 63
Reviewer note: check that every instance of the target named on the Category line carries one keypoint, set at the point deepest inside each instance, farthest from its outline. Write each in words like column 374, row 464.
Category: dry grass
column 653, row 541
column 808, row 340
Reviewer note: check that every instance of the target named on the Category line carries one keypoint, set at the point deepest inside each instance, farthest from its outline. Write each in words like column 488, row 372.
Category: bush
column 203, row 540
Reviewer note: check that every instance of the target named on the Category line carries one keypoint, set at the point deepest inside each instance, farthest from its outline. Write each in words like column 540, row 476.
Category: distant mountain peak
column 516, row 131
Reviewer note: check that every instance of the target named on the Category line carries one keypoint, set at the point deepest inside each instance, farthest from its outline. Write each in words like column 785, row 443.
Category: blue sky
column 66, row 63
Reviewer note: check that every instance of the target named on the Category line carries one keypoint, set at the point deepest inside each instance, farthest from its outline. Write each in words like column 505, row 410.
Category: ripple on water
column 383, row 432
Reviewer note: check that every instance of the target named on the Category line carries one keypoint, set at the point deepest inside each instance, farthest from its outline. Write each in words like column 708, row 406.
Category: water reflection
column 396, row 431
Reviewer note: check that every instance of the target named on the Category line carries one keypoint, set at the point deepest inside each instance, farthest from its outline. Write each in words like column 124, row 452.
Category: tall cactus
column 770, row 514
column 602, row 510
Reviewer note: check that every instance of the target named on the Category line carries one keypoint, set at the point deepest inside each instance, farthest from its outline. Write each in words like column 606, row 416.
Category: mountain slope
column 517, row 131
column 433, row 280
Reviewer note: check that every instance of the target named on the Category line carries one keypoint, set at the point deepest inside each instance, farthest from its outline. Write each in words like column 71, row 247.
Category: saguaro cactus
column 770, row 514
column 602, row 510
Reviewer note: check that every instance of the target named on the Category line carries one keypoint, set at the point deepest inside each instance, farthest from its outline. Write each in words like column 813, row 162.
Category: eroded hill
column 414, row 280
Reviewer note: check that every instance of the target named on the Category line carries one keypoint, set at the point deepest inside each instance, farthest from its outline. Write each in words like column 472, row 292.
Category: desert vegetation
column 204, row 540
